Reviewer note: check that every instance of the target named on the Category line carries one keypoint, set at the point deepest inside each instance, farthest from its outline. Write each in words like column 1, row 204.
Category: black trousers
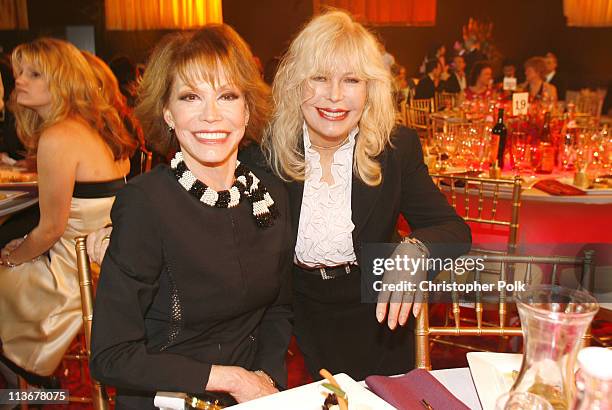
column 338, row 332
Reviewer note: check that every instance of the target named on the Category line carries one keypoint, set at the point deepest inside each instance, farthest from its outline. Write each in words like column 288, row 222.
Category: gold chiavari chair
column 422, row 104
column 484, row 191
column 146, row 160
column 401, row 115
column 99, row 398
column 417, row 116
column 444, row 100
column 586, row 101
column 423, row 330
column 484, row 188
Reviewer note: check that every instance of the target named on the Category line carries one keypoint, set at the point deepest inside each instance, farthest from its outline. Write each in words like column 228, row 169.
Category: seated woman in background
column 479, row 81
column 535, row 81
column 109, row 86
column 193, row 293
column 82, row 152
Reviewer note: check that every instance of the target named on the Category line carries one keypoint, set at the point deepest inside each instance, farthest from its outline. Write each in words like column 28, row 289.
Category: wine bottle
column 500, row 132
column 547, row 152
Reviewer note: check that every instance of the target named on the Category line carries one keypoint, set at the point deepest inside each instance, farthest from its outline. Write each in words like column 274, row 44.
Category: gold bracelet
column 267, row 376
column 6, row 262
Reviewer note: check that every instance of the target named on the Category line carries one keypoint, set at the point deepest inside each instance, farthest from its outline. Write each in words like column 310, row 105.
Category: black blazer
column 426, row 88
column 406, row 188
column 452, row 84
column 560, row 83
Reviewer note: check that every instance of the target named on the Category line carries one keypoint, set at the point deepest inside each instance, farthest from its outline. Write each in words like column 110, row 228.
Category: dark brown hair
column 203, row 55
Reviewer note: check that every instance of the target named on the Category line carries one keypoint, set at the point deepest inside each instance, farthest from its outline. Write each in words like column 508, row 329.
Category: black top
column 97, row 189
column 426, row 88
column 184, row 286
column 452, row 84
column 560, row 83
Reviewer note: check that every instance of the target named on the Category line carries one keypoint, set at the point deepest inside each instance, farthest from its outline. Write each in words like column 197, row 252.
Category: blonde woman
column 82, row 152
column 350, row 174
column 109, row 86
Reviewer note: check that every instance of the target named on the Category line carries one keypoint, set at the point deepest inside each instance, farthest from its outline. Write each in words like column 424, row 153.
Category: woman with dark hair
column 193, row 293
column 479, row 81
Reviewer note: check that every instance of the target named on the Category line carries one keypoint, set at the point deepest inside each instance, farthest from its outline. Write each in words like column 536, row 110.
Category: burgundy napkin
column 554, row 187
column 406, row 392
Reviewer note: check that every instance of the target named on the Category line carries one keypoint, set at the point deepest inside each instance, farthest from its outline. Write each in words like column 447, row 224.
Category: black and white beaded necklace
column 246, row 185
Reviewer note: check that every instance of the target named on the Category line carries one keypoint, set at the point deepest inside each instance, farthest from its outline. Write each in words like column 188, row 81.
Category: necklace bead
column 246, row 185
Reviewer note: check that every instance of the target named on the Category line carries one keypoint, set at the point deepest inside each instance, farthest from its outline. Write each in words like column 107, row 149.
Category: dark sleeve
column 421, row 90
column 128, row 284
column 276, row 326
column 432, row 220
column 451, row 85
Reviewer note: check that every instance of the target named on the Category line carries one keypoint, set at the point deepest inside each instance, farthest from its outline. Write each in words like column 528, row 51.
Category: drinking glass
column 553, row 319
column 521, row 152
column 521, row 401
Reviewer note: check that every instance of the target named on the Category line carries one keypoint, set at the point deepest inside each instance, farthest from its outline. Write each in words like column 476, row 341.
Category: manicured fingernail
column 380, row 316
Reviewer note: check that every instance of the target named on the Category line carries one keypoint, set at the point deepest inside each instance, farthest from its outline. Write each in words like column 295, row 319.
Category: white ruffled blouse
column 325, row 227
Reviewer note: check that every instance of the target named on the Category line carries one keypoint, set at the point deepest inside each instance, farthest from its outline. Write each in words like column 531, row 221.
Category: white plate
column 492, row 374
column 9, row 196
column 311, row 396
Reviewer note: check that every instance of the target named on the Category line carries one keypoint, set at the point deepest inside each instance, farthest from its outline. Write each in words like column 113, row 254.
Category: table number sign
column 520, row 103
column 509, row 84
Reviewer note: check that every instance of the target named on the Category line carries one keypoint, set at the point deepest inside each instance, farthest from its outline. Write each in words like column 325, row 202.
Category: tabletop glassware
column 553, row 319
column 520, row 151
column 521, row 401
column 594, row 379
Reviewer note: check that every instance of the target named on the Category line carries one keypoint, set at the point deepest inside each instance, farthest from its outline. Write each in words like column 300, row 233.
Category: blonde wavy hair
column 74, row 92
column 324, row 41
column 201, row 55
column 109, row 87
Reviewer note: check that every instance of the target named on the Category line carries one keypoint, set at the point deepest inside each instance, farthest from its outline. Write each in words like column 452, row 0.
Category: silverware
column 426, row 405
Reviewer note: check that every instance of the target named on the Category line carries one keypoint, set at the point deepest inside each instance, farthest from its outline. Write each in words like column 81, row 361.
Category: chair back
column 481, row 188
column 146, row 160
column 100, row 402
column 423, row 330
column 401, row 117
column 426, row 104
column 444, row 100
column 586, row 101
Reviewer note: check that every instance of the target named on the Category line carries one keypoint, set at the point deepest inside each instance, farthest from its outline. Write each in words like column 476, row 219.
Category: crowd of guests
column 469, row 72
column 252, row 233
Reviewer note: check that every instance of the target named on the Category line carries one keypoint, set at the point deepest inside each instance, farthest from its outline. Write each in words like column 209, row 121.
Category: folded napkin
column 554, row 187
column 406, row 392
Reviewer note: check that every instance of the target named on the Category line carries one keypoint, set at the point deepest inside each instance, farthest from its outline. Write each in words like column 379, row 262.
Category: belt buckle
column 324, row 274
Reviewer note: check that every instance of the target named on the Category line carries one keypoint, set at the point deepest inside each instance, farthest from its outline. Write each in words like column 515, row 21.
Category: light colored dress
column 40, row 302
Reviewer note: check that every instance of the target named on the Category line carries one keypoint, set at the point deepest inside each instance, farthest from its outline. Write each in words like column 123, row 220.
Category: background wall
column 523, row 28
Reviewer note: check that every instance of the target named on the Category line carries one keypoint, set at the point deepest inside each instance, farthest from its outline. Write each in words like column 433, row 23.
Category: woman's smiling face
column 209, row 120
column 332, row 104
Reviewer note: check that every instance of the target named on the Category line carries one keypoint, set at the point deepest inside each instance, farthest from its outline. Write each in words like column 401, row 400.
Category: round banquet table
column 549, row 225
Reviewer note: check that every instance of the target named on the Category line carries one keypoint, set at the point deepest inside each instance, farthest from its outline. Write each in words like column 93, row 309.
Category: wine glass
column 521, row 152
